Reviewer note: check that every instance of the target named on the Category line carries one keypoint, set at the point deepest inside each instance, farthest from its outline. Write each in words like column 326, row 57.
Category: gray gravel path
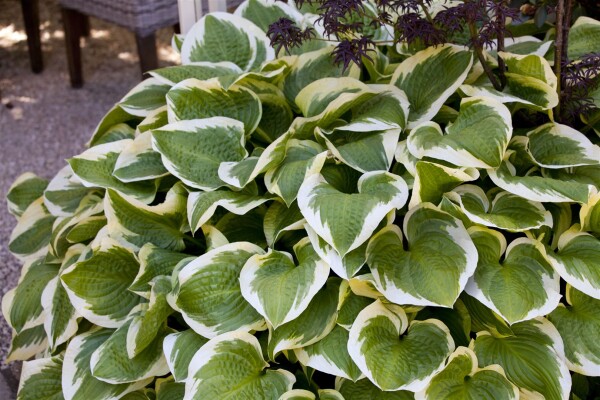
column 43, row 121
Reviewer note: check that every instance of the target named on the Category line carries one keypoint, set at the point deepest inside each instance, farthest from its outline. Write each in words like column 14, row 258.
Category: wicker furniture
column 142, row 17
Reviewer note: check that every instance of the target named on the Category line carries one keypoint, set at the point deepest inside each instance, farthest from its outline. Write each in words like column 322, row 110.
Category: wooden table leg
column 31, row 16
column 73, row 27
column 146, row 46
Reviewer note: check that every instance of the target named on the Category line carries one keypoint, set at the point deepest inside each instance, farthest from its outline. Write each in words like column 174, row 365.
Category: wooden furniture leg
column 73, row 30
column 31, row 17
column 146, row 46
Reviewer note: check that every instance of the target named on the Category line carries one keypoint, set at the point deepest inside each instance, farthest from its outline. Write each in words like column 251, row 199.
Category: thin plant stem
column 558, row 48
column 479, row 51
column 500, row 24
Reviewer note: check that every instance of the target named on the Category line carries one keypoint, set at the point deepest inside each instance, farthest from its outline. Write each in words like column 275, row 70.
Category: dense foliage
column 255, row 224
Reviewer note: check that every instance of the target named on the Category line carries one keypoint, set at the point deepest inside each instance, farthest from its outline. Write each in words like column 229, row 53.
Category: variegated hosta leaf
column 138, row 161
column 383, row 345
column 201, row 70
column 577, row 260
column 346, row 221
column 589, row 215
column 280, row 219
column 86, row 229
column 179, row 348
column 435, row 268
column 364, row 389
column 137, row 223
column 193, row 150
column 221, row 36
column 507, row 211
column 484, row 319
column 302, row 159
column 27, row 188
column 98, row 286
column 166, row 389
column 537, row 188
column 110, row 362
column 364, row 285
column 149, row 317
column 279, row 289
column 104, row 131
column 64, row 192
column 155, row 119
column 315, row 97
column 265, row 12
column 532, row 358
column 578, row 323
column 41, row 379
column 478, row 138
column 22, row 306
column 154, row 262
column 193, row 99
column 555, row 145
column 317, row 320
column 202, row 205
column 78, row 383
column 525, row 90
column 277, row 115
column 462, row 379
column 209, row 295
column 449, row 64
column 330, row 355
column 584, row 37
column 457, row 319
column 298, row 394
column 60, row 323
column 520, row 287
column 27, row 344
column 351, row 305
column 526, row 45
column 145, row 97
column 433, row 180
column 95, row 166
column 32, row 234
column 231, row 365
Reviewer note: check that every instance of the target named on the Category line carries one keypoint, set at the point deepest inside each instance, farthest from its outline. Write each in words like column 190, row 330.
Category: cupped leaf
column 584, row 37
column 146, row 97
column 27, row 344
column 137, row 223
column 330, row 355
column 478, row 138
column 520, row 287
column 166, row 389
column 576, row 260
column 194, row 99
column 462, row 379
column 201, row 70
column 364, row 389
column 532, row 358
column 110, row 362
column 578, row 323
column 507, row 211
column 193, row 150
column 31, row 236
column 154, row 262
column 27, row 188
column 138, row 161
column 64, row 193
column 280, row 219
column 231, row 366
column 113, row 126
column 383, row 345
column 179, row 348
column 41, row 378
column 449, row 64
column 265, row 12
column 589, row 215
column 220, row 36
column 60, row 323
column 279, row 289
column 434, row 270
column 214, row 278
column 345, row 221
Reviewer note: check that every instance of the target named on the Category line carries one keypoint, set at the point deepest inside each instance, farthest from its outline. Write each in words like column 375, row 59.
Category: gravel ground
column 43, row 121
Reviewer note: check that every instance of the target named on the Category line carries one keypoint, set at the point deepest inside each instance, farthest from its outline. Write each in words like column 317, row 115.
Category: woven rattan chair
column 142, row 17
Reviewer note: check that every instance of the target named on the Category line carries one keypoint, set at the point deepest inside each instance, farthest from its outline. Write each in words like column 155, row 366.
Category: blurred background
column 43, row 121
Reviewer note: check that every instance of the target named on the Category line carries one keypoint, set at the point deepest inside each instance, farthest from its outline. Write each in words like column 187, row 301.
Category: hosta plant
column 262, row 225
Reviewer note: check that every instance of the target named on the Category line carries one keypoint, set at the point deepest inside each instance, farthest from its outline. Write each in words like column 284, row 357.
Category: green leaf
column 27, row 188
column 231, row 366
column 478, row 138
column 382, row 344
column 589, row 215
column 214, row 277
column 364, row 389
column 98, row 286
column 32, row 234
column 484, row 319
column 578, row 323
column 41, row 379
column 201, row 70
column 169, row 390
column 60, row 323
column 145, row 97
column 462, row 379
column 179, row 348
column 194, row 99
column 433, row 180
column 532, row 359
column 154, row 262
column 137, row 223
column 279, row 289
column 450, row 65
column 280, row 219
column 346, row 221
column 263, row 12
column 110, row 362
column 27, row 344
column 138, row 161
column 507, row 211
column 435, row 268
column 584, row 38
column 351, row 305
column 105, row 131
column 64, row 193
column 577, row 260
column 221, row 36
column 193, row 150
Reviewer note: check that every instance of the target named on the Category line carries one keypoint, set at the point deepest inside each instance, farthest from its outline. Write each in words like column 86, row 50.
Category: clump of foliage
column 255, row 224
